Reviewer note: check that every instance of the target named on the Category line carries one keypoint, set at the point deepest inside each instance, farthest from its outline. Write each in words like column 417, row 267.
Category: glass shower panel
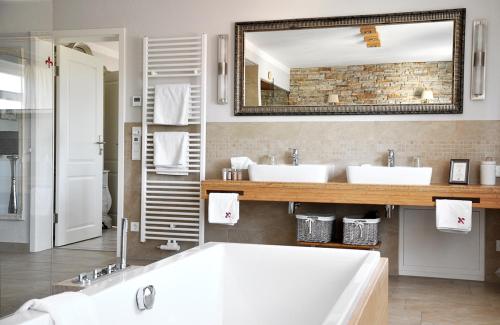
column 26, row 168
column 26, row 134
column 26, row 152
column 12, row 105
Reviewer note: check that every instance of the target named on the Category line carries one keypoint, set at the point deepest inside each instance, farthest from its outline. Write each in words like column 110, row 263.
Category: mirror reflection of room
column 359, row 65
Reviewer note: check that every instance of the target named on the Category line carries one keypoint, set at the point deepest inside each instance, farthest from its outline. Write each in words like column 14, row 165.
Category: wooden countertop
column 417, row 195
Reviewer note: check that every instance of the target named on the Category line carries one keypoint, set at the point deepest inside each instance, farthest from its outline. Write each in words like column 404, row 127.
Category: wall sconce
column 427, row 95
column 333, row 99
column 478, row 73
column 222, row 47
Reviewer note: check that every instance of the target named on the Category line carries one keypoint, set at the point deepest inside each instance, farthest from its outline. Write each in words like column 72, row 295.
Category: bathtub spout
column 123, row 244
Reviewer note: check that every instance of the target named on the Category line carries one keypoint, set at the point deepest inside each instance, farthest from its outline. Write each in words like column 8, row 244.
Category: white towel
column 454, row 216
column 171, row 104
column 241, row 162
column 171, row 153
column 223, row 208
column 73, row 308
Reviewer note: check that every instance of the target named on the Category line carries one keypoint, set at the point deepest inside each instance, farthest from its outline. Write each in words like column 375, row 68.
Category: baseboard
column 443, row 275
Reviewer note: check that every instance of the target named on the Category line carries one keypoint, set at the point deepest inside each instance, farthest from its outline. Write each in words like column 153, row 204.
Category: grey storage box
column 314, row 228
column 360, row 231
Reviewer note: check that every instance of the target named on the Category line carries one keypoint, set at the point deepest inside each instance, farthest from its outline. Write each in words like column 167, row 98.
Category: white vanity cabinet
column 425, row 251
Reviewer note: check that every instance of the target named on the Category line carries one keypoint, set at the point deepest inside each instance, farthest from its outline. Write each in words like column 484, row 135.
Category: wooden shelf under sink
column 344, row 193
column 340, row 245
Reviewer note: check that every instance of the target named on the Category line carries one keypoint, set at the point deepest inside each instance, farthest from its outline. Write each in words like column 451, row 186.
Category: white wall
column 167, row 17
column 25, row 16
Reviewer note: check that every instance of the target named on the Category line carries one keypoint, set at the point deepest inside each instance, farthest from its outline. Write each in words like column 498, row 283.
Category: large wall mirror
column 405, row 63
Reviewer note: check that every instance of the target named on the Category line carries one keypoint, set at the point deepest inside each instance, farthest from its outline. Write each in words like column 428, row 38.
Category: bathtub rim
column 353, row 292
column 356, row 286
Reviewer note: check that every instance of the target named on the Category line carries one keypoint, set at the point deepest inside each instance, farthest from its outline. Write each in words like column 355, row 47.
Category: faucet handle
column 293, row 150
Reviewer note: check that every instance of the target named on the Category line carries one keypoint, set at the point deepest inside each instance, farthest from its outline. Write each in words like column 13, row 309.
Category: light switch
column 136, row 143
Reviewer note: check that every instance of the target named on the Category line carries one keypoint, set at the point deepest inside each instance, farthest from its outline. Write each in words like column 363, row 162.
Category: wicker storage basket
column 360, row 231
column 313, row 228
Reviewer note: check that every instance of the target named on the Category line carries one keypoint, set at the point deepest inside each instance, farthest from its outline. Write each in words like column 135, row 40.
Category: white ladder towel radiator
column 171, row 209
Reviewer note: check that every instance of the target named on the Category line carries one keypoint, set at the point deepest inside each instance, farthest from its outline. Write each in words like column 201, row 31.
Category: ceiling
column 416, row 42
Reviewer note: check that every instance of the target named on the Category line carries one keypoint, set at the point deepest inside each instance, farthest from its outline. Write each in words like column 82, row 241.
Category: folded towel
column 241, row 162
column 73, row 308
column 171, row 153
column 171, row 105
column 223, row 208
column 454, row 216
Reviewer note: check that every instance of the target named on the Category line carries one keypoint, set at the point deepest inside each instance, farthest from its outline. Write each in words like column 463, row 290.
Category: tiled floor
column 106, row 243
column 24, row 276
column 412, row 300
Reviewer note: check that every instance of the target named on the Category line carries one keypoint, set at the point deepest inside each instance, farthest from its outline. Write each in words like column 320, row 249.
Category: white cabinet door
column 426, row 251
column 79, row 162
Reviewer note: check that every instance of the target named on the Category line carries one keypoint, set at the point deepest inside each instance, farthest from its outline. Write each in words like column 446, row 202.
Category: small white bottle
column 488, row 172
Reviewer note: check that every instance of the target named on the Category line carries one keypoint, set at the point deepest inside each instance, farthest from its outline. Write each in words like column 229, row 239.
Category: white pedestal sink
column 289, row 173
column 368, row 174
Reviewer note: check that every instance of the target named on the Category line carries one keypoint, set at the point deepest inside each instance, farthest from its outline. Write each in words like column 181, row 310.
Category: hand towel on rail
column 223, row 208
column 73, row 308
column 171, row 106
column 171, row 153
column 454, row 216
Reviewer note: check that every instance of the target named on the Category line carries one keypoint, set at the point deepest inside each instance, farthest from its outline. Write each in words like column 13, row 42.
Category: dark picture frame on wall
column 459, row 171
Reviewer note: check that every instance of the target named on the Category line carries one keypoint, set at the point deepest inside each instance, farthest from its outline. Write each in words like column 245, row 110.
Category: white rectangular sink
column 289, row 173
column 367, row 174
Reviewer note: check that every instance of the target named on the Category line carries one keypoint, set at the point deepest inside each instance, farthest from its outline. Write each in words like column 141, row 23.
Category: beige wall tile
column 342, row 143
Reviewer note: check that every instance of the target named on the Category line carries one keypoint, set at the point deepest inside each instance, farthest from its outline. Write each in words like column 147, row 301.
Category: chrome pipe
column 123, row 244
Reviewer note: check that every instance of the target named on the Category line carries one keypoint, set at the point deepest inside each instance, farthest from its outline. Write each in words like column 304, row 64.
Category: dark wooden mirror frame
column 455, row 107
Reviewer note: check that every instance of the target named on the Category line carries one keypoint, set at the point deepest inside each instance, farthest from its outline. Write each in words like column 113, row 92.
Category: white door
column 79, row 159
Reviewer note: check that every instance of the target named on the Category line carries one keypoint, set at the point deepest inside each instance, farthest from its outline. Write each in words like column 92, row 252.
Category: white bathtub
column 236, row 284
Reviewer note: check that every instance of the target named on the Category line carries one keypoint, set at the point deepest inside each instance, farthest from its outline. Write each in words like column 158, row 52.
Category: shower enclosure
column 26, row 137
column 12, row 100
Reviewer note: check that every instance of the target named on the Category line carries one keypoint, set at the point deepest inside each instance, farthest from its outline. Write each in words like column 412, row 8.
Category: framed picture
column 459, row 171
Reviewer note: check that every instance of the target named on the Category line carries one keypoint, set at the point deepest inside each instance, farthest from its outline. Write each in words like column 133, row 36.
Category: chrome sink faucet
column 292, row 206
column 295, row 156
column 391, row 158
column 391, row 162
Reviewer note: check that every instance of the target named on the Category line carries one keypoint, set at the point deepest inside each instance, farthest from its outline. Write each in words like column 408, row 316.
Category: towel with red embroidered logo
column 223, row 208
column 454, row 216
